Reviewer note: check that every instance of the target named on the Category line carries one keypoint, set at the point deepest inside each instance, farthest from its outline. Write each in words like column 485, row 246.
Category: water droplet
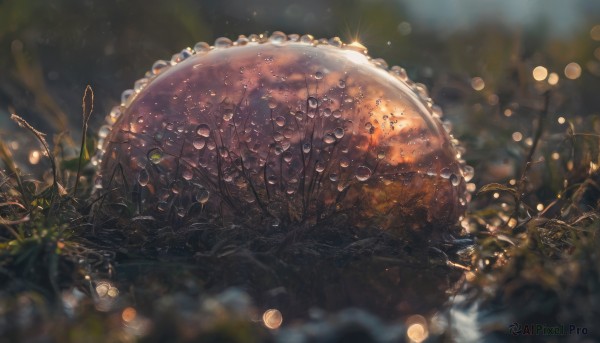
column 280, row 121
column 223, row 152
column 338, row 132
column 203, row 130
column 455, row 180
column 126, row 95
column 143, row 177
column 307, row 39
column 312, row 102
column 162, row 206
column 333, row 177
column 187, row 174
column 306, row 148
column 202, row 196
column 319, row 167
column 227, row 115
column 176, row 187
column 199, row 143
column 201, row 47
column 445, row 173
column 104, row 131
column 223, row 42
column 318, row 75
column 342, row 84
column 363, row 173
column 344, row 162
column 277, row 38
column 328, row 138
column 155, row 155
column 468, row 173
column 159, row 66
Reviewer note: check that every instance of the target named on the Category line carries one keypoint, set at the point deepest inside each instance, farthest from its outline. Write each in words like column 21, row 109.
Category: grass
column 65, row 276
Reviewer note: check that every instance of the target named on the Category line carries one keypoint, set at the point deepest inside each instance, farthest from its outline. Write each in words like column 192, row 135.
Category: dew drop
column 306, row 148
column 312, row 102
column 159, row 66
column 202, row 196
column 344, row 162
column 318, row 75
column 187, row 174
column 277, row 38
column 199, row 143
column 201, row 47
column 328, row 138
column 333, row 177
column 445, row 173
column 155, row 156
column 227, row 115
column 223, row 42
column 338, row 132
column 103, row 131
column 143, row 177
column 455, row 180
column 342, row 84
column 280, row 121
column 319, row 167
column 468, row 173
column 363, row 173
column 203, row 130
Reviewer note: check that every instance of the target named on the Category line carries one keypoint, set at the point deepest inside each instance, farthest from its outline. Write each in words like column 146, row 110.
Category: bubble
column 363, row 173
column 155, row 155
column 445, row 173
column 143, row 177
column 357, row 123
column 203, row 130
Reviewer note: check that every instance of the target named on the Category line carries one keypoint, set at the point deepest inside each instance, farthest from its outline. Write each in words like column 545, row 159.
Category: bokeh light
column 573, row 71
column 540, row 73
column 477, row 83
column 417, row 330
column 553, row 79
column 272, row 318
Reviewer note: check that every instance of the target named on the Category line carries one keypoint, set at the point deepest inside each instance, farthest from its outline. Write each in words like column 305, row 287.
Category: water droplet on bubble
column 155, row 155
column 203, row 130
column 143, row 177
column 363, row 173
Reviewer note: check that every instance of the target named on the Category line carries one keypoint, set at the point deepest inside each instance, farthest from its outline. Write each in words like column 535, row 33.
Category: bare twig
column 87, row 104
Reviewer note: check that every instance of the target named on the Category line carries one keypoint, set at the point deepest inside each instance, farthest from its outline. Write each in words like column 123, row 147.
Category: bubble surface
column 287, row 129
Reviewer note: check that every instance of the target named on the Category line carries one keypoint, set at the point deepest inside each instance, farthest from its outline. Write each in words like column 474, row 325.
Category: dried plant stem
column 87, row 104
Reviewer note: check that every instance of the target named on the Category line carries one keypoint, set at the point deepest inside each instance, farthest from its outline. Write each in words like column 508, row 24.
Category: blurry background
column 487, row 63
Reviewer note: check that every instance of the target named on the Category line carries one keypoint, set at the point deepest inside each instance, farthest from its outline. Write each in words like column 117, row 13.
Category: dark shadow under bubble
column 331, row 266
